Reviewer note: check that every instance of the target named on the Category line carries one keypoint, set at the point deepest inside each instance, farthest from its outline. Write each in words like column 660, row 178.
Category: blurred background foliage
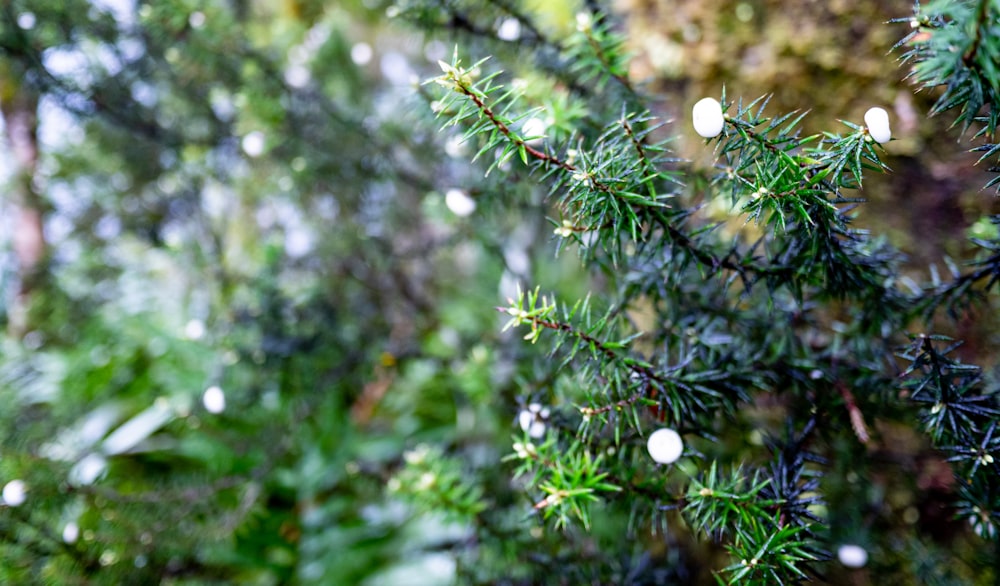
column 833, row 59
column 252, row 200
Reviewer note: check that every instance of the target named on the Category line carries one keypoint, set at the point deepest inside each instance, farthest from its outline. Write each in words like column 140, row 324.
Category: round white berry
column 665, row 446
column 877, row 121
column 14, row 493
column 707, row 117
column 852, row 556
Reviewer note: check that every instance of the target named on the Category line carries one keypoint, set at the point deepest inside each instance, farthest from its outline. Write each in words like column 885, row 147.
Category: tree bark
column 19, row 105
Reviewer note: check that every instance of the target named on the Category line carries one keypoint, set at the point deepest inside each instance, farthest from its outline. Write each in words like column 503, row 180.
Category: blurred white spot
column 459, row 203
column 450, row 337
column 214, row 400
column 33, row 340
column 58, row 227
column 253, row 143
column 26, row 20
column 197, row 19
column 455, row 146
column 852, row 556
column 298, row 242
column 194, row 329
column 140, row 427
column 395, row 68
column 72, row 442
column 144, row 93
column 517, row 260
column 14, row 493
column 509, row 29
column 361, row 53
column 123, row 11
column 87, row 470
column 108, row 228
column 68, row 63
column 441, row 567
column 221, row 103
column 215, row 199
column 173, row 235
column 509, row 285
column 435, row 51
column 298, row 76
column 271, row 400
column 744, row 12
column 534, row 130
column 71, row 532
column 131, row 48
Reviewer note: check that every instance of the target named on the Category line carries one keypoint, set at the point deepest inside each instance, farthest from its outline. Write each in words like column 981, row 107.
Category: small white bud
column 665, row 446
column 877, row 121
column 532, row 420
column 708, row 118
column 852, row 556
column 564, row 231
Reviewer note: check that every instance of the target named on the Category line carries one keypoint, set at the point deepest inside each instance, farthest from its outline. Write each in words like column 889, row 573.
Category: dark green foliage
column 384, row 420
column 956, row 44
column 695, row 328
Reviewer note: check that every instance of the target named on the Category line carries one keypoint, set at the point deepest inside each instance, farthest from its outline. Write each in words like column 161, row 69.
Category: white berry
column 665, row 446
column 877, row 121
column 707, row 117
column 14, row 493
column 852, row 556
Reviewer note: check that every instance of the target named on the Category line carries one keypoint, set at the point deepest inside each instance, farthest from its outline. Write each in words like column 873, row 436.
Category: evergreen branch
column 506, row 131
column 979, row 23
column 608, row 52
column 955, row 293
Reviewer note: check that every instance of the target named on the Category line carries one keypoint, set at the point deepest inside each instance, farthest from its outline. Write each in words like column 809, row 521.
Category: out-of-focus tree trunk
column 19, row 104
